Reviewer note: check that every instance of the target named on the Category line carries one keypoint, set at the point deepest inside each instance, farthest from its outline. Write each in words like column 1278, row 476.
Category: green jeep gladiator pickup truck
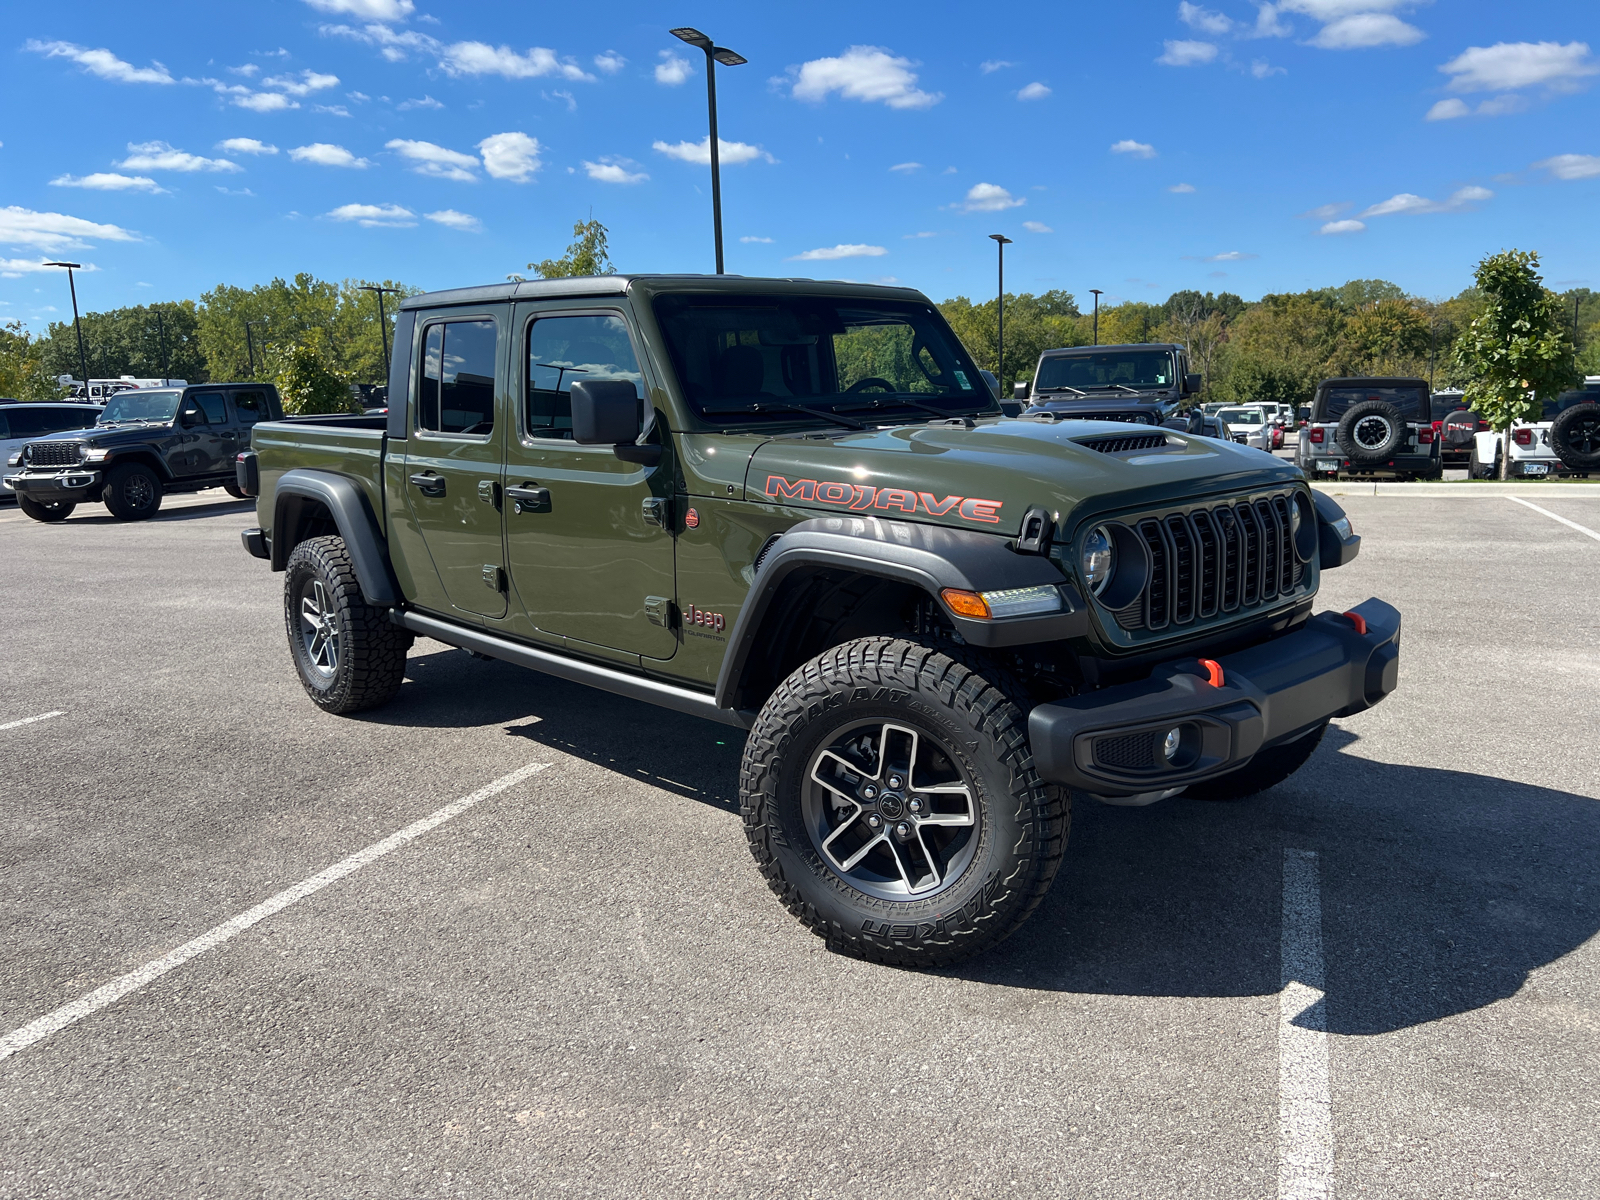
column 795, row 507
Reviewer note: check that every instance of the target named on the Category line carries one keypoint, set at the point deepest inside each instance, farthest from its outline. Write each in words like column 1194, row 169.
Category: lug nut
column 874, row 820
column 915, row 806
column 870, row 792
column 894, row 781
column 903, row 830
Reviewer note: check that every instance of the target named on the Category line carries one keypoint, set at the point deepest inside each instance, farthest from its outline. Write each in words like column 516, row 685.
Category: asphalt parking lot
column 579, row 985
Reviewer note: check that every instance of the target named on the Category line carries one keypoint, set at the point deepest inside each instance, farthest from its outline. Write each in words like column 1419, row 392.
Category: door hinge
column 658, row 512
column 489, row 492
column 658, row 611
column 494, row 578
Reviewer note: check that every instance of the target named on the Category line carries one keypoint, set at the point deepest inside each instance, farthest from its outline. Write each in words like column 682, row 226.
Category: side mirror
column 1197, row 422
column 1192, row 383
column 607, row 412
column 1019, row 390
column 188, row 417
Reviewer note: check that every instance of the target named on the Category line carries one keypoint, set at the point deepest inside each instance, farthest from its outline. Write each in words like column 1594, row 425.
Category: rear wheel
column 54, row 510
column 347, row 653
column 1267, row 769
column 1575, row 436
column 133, row 492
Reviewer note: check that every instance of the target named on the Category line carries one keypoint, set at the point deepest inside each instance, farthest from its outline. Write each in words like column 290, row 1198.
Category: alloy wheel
column 319, row 629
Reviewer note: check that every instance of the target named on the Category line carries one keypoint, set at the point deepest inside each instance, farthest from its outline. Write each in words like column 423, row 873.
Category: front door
column 204, row 428
column 453, row 460
column 585, row 560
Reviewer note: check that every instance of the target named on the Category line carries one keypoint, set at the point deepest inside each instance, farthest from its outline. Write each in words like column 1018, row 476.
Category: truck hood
column 987, row 477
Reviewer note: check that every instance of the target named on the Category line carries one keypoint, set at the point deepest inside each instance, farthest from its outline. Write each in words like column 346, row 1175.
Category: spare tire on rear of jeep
column 1371, row 431
column 1575, row 436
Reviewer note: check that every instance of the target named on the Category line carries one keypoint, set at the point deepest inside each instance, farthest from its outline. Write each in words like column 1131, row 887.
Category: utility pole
column 714, row 54
column 1000, row 244
column 1097, row 294
column 250, row 343
column 383, row 321
column 83, row 357
column 161, row 336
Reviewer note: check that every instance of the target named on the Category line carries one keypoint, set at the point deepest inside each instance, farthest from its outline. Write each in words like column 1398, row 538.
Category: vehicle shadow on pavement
column 1441, row 889
column 189, row 512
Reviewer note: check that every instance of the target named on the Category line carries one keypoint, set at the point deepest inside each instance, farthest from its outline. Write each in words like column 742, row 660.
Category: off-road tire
column 56, row 510
column 133, row 492
column 1021, row 827
column 234, row 490
column 1476, row 469
column 1267, row 769
column 1360, row 420
column 1575, row 437
column 369, row 660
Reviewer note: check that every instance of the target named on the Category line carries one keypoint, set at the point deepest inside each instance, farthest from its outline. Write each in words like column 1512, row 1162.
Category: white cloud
column 233, row 191
column 1186, row 54
column 866, row 73
column 610, row 62
column 1406, row 203
column 1326, row 212
column 765, row 241
column 1448, row 110
column 308, row 82
column 480, row 58
column 325, row 154
column 1137, row 149
column 243, row 145
column 1037, row 227
column 1182, row 189
column 1334, row 10
column 926, row 233
column 362, row 98
column 906, row 168
column 989, row 197
column 159, row 156
column 1034, row 91
column 102, row 63
column 392, row 44
column 333, row 110
column 452, row 219
column 993, row 65
column 728, row 153
column 1229, row 256
column 53, row 232
column 15, row 268
column 1364, row 31
column 1508, row 65
column 1346, row 226
column 1262, row 69
column 248, row 70
column 614, row 170
column 425, row 102
column 672, row 70
column 437, row 161
column 108, row 181
column 513, row 156
column 1203, row 19
column 261, row 102
column 375, row 216
column 829, row 253
column 1267, row 23
column 1571, row 166
column 366, row 10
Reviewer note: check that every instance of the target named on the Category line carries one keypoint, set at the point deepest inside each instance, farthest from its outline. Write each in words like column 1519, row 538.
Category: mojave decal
column 859, row 497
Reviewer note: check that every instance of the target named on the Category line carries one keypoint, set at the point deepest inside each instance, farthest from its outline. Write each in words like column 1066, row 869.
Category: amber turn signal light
column 966, row 604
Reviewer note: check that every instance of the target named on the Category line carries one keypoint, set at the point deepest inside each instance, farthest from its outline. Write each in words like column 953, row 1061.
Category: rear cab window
column 1336, row 401
column 250, row 407
column 456, row 384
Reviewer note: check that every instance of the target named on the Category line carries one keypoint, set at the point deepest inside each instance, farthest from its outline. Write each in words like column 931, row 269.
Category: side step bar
column 635, row 687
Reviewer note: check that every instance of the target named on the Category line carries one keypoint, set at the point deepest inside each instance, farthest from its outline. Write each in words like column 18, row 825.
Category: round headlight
column 1097, row 559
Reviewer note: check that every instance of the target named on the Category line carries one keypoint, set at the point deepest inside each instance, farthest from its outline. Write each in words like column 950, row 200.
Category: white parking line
column 1553, row 517
column 1305, row 1104
column 31, row 720
column 110, row 993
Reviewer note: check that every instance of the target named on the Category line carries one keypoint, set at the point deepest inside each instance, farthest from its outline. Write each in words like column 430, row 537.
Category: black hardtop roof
column 1374, row 381
column 10, row 403
column 1067, row 351
column 648, row 285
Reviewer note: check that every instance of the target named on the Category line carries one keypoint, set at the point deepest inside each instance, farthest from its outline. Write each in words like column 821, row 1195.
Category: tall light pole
column 83, row 358
column 1001, row 241
column 250, row 343
column 714, row 54
column 383, row 323
column 1097, row 294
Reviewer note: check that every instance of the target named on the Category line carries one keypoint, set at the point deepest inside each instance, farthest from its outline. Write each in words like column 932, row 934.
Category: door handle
column 529, row 499
column 429, row 485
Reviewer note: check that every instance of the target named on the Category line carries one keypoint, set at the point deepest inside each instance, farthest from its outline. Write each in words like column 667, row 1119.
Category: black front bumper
column 69, row 483
column 1111, row 742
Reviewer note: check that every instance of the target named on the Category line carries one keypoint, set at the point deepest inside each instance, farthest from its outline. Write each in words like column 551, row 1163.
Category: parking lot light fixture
column 1097, row 295
column 714, row 54
column 83, row 357
column 1001, row 241
column 383, row 321
column 250, row 345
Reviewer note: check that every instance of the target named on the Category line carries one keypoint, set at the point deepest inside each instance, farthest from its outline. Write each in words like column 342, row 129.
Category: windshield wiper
column 1064, row 388
column 761, row 406
column 900, row 401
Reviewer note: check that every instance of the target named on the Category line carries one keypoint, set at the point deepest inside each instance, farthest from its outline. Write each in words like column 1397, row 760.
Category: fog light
column 1170, row 745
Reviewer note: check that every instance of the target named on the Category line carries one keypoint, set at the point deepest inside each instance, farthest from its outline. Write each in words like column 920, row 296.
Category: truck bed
column 352, row 446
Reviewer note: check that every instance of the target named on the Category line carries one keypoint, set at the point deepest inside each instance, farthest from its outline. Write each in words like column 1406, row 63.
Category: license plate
column 1327, row 464
column 1536, row 469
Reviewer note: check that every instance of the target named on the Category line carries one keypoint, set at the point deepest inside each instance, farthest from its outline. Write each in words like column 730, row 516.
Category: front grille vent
column 1119, row 444
column 1130, row 752
column 1208, row 561
column 53, row 454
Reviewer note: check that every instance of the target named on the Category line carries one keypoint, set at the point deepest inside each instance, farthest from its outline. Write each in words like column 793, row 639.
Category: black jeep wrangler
column 147, row 442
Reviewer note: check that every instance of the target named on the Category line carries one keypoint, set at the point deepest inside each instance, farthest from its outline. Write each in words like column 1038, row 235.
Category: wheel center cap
column 890, row 805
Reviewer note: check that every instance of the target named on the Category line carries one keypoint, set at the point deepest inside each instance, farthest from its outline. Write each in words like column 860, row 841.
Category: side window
column 210, row 405
column 562, row 350
column 250, row 407
column 5, row 429
column 457, row 382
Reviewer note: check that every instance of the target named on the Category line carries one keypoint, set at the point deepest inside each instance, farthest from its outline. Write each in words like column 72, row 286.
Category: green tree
column 1519, row 348
column 307, row 382
column 139, row 340
column 1033, row 324
column 22, row 374
column 586, row 256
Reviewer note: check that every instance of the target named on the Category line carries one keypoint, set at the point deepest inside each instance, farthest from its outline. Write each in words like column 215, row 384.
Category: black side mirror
column 607, row 412
column 1019, row 390
column 1197, row 422
column 188, row 417
column 1192, row 383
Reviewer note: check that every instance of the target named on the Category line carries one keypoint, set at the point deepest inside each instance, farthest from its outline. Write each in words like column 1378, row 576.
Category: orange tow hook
column 1213, row 671
column 1358, row 621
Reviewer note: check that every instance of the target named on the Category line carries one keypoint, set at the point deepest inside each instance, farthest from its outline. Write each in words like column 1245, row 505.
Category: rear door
column 454, row 454
column 204, row 446
column 249, row 406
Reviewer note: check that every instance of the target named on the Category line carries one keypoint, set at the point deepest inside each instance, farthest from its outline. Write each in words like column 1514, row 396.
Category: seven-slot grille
column 53, row 454
column 1230, row 557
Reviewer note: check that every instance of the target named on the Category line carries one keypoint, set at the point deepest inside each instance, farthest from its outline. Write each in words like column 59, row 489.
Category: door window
column 563, row 350
column 457, row 392
column 210, row 406
column 250, row 406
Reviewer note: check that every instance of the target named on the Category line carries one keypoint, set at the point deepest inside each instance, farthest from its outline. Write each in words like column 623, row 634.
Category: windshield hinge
column 1038, row 528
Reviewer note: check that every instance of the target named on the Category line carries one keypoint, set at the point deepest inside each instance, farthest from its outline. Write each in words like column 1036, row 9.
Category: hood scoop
column 1125, row 443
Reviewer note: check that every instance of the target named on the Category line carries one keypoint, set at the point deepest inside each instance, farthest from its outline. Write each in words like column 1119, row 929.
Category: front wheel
column 348, row 655
column 133, row 492
column 56, row 510
column 889, row 798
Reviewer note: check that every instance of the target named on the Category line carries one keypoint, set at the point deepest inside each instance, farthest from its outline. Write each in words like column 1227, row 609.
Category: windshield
column 1242, row 416
column 141, row 404
column 1409, row 400
column 1106, row 369
column 770, row 355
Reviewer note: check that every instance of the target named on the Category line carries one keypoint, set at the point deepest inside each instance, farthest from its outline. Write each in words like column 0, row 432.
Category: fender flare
column 353, row 516
column 142, row 452
column 928, row 557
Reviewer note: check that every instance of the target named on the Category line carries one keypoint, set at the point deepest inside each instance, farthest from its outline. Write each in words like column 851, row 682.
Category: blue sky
column 1138, row 148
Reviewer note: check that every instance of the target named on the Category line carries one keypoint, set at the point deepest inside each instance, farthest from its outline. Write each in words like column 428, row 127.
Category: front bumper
column 1109, row 742
column 69, row 483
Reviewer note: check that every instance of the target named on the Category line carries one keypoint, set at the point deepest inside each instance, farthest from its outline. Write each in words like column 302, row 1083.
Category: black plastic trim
column 355, row 520
column 1332, row 549
column 400, row 374
column 247, row 473
column 255, row 542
